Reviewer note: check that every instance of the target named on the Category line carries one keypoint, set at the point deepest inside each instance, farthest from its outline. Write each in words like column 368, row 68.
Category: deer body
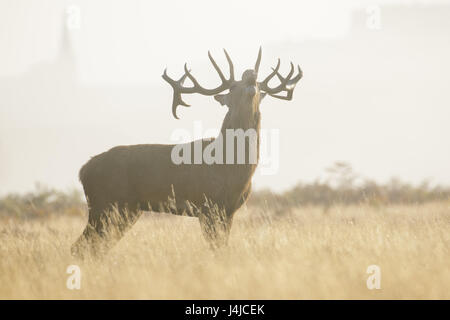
column 145, row 177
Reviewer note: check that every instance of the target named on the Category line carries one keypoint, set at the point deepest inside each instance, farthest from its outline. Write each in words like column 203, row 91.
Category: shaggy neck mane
column 247, row 119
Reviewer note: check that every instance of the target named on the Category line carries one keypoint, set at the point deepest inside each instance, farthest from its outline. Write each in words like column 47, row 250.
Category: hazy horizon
column 375, row 98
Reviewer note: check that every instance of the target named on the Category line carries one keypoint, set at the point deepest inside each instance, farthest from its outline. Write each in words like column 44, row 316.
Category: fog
column 374, row 92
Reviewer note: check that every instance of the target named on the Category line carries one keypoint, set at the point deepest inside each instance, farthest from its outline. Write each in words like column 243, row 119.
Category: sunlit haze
column 374, row 94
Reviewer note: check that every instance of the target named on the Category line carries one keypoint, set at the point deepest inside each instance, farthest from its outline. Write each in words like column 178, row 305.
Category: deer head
column 245, row 95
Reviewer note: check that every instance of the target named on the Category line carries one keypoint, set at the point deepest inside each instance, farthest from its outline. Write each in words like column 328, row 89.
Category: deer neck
column 240, row 121
column 249, row 125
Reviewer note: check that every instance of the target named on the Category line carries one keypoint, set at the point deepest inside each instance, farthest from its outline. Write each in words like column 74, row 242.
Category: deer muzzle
column 251, row 90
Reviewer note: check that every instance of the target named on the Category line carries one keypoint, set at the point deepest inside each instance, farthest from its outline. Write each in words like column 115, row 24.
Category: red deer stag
column 121, row 182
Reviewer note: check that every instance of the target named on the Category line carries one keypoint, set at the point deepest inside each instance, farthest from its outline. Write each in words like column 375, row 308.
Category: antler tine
column 258, row 60
column 222, row 77
column 281, row 78
column 179, row 89
column 230, row 63
column 286, row 83
column 177, row 101
column 183, row 77
column 297, row 77
column 176, row 84
column 263, row 84
column 292, row 81
column 191, row 77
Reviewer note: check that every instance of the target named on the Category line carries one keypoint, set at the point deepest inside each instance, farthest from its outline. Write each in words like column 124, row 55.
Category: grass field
column 305, row 253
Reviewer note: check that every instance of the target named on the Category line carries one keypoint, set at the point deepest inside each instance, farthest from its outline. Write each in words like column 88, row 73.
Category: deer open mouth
column 251, row 90
column 249, row 77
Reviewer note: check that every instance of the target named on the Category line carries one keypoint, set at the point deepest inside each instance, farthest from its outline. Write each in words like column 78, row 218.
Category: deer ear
column 222, row 98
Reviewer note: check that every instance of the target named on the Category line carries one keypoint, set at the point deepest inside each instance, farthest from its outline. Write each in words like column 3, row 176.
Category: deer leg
column 105, row 229
column 215, row 226
column 86, row 243
column 216, row 223
column 114, row 224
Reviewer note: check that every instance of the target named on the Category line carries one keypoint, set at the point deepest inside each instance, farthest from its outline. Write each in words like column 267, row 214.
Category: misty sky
column 377, row 99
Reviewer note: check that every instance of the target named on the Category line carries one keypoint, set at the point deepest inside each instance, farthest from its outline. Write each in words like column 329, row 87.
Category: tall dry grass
column 305, row 254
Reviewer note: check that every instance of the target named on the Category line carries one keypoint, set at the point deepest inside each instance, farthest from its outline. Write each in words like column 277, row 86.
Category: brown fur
column 121, row 182
column 143, row 177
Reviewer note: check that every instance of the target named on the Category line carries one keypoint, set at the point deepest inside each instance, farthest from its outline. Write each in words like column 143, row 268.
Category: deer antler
column 286, row 84
column 178, row 88
column 258, row 60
